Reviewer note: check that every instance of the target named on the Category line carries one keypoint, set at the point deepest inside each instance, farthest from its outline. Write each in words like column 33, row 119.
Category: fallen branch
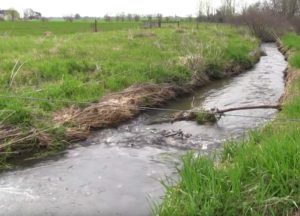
column 278, row 107
column 212, row 116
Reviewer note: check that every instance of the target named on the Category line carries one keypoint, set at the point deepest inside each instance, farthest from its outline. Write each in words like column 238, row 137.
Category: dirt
column 290, row 74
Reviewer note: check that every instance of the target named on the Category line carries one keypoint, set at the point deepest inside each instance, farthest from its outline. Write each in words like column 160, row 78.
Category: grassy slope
column 258, row 176
column 84, row 66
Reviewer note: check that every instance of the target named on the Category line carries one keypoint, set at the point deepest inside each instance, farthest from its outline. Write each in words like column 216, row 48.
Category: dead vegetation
column 18, row 141
column 114, row 109
column 144, row 35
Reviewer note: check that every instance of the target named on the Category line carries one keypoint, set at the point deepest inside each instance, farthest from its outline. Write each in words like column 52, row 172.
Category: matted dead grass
column 114, row 109
column 19, row 141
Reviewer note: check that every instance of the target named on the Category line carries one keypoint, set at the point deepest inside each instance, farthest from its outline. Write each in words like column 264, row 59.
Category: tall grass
column 85, row 66
column 256, row 176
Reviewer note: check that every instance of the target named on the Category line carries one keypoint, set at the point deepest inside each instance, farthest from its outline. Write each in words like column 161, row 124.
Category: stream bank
column 255, row 176
column 75, row 123
column 117, row 171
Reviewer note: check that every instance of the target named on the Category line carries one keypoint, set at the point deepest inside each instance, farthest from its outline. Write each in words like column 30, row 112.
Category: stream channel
column 118, row 171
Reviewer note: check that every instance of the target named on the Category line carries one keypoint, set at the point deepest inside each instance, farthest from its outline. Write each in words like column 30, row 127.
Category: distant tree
column 205, row 8
column 129, row 17
column 12, row 14
column 69, row 18
column 167, row 19
column 107, row 18
column 77, row 16
column 28, row 13
column 190, row 18
column 228, row 7
column 45, row 19
column 149, row 17
column 122, row 16
column 288, row 8
column 159, row 17
column 137, row 18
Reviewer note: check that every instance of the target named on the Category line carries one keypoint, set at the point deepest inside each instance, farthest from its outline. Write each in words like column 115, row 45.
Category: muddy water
column 117, row 171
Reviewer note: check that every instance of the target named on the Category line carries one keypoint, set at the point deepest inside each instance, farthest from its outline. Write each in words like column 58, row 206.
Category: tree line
column 267, row 18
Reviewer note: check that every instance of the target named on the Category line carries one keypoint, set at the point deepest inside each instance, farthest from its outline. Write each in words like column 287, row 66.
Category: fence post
column 95, row 26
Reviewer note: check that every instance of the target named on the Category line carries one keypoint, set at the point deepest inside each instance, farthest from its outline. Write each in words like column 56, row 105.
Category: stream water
column 117, row 171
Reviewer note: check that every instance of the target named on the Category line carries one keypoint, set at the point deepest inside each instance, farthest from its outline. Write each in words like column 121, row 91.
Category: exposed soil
column 290, row 75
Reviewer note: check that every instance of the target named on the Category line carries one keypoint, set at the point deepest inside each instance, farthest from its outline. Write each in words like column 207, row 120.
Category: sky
column 97, row 8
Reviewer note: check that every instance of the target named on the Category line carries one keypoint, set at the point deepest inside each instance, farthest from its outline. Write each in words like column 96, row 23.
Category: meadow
column 79, row 68
column 259, row 175
column 38, row 28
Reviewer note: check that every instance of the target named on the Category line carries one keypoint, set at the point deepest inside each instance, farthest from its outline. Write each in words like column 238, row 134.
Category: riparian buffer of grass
column 85, row 66
column 61, row 61
column 256, row 176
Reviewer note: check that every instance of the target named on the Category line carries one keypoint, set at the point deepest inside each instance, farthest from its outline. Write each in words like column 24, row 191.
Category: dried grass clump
column 144, row 35
column 17, row 140
column 113, row 109
column 180, row 31
column 48, row 34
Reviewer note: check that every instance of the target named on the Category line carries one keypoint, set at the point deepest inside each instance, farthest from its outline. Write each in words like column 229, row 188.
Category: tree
column 69, row 18
column 204, row 8
column 288, row 8
column 107, row 18
column 149, row 17
column 137, row 18
column 167, row 19
column 129, row 17
column 190, row 18
column 122, row 16
column 12, row 14
column 159, row 17
column 228, row 8
column 28, row 13
column 77, row 16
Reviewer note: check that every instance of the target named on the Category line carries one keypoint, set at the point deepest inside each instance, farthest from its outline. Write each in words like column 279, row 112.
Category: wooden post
column 95, row 26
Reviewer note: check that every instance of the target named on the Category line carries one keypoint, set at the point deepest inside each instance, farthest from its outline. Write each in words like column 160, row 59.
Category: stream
column 118, row 171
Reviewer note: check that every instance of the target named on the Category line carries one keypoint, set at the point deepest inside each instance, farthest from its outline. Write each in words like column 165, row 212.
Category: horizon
column 94, row 8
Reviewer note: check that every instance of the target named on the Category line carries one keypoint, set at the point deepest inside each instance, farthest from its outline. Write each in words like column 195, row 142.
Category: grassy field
column 38, row 28
column 84, row 66
column 67, row 68
column 257, row 176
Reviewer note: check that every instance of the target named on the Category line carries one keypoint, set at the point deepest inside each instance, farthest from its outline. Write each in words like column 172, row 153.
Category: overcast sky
column 111, row 7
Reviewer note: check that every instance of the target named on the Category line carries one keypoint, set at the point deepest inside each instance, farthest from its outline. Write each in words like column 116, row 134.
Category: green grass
column 256, row 176
column 73, row 65
column 292, row 41
column 39, row 28
column 83, row 67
